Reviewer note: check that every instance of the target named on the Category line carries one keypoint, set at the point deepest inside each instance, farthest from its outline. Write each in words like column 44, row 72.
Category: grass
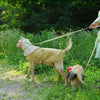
column 14, row 86
column 46, row 86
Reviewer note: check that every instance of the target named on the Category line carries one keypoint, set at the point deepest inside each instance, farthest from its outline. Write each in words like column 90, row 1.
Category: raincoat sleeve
column 98, row 18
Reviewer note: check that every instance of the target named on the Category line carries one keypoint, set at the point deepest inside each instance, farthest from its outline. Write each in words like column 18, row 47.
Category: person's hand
column 93, row 25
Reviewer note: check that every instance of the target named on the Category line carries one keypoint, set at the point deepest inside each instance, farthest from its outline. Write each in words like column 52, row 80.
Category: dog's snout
column 17, row 45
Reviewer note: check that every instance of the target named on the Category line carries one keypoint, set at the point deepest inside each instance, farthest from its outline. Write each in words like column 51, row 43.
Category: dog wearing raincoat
column 49, row 56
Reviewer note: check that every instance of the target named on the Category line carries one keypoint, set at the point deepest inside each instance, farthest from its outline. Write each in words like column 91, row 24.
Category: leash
column 62, row 36
column 70, row 34
column 91, row 56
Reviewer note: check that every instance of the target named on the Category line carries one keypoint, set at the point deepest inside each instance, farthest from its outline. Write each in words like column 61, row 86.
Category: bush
column 83, row 43
column 38, row 15
column 8, row 39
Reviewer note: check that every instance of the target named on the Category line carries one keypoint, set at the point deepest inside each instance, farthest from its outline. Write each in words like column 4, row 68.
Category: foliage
column 10, row 16
column 37, row 15
column 83, row 43
column 45, row 85
column 12, row 62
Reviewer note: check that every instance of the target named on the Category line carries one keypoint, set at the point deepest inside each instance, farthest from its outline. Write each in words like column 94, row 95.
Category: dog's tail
column 69, row 46
column 80, row 79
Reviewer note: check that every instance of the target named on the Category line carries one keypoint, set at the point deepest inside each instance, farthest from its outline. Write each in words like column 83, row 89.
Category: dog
column 49, row 56
column 75, row 76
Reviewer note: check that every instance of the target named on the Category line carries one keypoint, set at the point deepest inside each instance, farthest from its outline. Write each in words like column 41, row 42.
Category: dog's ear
column 22, row 38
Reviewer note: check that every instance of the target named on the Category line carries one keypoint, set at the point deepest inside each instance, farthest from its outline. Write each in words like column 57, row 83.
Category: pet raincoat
column 27, row 46
column 39, row 55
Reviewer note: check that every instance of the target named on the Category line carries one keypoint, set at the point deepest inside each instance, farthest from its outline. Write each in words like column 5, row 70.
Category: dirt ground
column 14, row 85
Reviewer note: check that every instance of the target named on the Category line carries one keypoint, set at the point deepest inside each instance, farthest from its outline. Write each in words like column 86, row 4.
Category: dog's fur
column 77, row 80
column 57, row 65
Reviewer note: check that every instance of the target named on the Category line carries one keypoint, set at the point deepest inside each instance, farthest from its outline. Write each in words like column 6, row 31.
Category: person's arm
column 94, row 25
column 96, row 22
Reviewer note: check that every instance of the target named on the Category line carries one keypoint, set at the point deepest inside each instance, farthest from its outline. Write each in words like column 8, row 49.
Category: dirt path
column 14, row 85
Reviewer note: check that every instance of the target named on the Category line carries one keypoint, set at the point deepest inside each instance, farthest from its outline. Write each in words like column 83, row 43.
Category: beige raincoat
column 39, row 55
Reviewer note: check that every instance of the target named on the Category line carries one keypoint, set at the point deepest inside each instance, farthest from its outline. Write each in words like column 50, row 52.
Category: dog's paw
column 27, row 76
column 30, row 80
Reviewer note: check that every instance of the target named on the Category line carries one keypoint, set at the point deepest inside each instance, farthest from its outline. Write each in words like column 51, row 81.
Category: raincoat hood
column 27, row 46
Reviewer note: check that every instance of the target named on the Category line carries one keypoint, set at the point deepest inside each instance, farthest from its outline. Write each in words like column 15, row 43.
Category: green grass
column 13, row 67
column 46, row 86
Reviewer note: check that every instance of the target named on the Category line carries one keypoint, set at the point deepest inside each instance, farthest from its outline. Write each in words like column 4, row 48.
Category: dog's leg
column 73, row 85
column 31, row 69
column 59, row 69
column 28, row 72
column 58, row 74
